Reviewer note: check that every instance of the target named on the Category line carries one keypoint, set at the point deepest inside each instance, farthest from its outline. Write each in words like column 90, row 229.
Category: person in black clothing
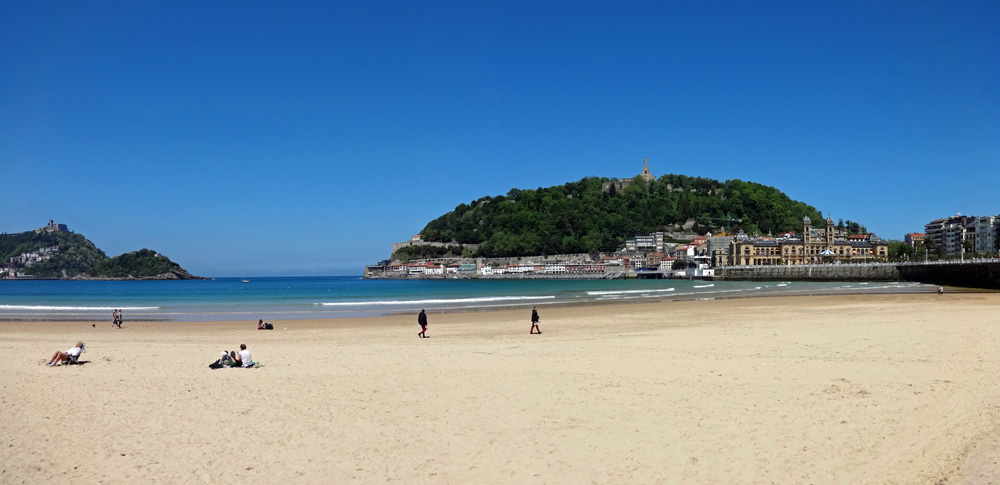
column 422, row 320
column 534, row 321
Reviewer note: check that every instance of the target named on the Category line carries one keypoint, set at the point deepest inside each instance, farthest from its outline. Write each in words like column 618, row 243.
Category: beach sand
column 824, row 389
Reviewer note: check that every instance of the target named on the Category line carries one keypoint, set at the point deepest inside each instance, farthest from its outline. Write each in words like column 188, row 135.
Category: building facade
column 813, row 246
column 951, row 233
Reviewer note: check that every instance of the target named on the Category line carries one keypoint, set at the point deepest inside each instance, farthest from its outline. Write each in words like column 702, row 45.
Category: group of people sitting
column 234, row 359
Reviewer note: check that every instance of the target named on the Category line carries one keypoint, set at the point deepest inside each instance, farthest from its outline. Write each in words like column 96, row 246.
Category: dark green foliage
column 579, row 217
column 900, row 251
column 855, row 228
column 77, row 254
column 410, row 253
column 143, row 263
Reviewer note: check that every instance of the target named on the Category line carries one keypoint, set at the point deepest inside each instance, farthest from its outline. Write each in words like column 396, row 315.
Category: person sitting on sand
column 534, row 321
column 63, row 357
column 260, row 324
column 243, row 358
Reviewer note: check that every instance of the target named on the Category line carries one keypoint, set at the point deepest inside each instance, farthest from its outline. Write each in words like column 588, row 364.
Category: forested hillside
column 143, row 263
column 580, row 217
column 77, row 253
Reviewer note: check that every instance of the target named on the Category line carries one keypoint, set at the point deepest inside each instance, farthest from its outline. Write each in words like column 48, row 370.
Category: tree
column 900, row 251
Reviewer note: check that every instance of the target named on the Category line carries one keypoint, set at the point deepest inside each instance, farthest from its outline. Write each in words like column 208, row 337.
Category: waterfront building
column 555, row 268
column 812, row 247
column 984, row 233
column 948, row 233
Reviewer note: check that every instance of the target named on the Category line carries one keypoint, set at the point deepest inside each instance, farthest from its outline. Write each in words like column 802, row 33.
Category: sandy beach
column 823, row 389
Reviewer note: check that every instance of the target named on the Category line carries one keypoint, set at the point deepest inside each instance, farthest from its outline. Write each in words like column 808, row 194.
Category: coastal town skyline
column 254, row 139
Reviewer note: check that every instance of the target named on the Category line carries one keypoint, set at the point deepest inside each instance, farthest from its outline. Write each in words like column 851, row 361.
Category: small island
column 55, row 252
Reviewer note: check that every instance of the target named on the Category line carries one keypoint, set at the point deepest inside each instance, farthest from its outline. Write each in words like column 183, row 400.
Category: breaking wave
column 437, row 301
column 75, row 308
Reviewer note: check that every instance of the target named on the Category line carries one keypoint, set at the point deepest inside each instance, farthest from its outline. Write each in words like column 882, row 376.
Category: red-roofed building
column 913, row 238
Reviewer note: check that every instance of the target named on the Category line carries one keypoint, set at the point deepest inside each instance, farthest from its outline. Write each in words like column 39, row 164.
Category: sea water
column 284, row 298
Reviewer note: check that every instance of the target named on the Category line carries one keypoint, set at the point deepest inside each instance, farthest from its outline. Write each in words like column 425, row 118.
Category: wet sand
column 824, row 389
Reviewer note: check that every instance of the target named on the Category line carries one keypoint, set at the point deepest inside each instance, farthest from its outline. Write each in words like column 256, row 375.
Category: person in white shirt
column 243, row 358
column 64, row 356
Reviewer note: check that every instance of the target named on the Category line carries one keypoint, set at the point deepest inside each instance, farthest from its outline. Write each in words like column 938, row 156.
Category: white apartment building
column 555, row 268
column 948, row 232
column 984, row 231
column 951, row 232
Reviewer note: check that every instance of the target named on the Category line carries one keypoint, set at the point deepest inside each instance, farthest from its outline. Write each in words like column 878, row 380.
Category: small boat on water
column 244, row 280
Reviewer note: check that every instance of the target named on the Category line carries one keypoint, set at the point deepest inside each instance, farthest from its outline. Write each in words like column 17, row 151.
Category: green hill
column 592, row 215
column 142, row 264
column 76, row 253
column 78, row 257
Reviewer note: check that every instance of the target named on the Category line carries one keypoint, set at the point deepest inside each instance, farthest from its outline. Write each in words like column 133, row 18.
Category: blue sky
column 297, row 138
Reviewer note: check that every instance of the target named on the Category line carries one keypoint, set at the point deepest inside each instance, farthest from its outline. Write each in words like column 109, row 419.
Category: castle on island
column 52, row 227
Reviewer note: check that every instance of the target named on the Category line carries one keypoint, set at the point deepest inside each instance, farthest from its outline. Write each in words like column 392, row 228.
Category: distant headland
column 55, row 252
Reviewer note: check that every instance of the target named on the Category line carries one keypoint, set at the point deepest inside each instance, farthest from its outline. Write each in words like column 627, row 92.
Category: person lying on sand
column 63, row 357
column 224, row 361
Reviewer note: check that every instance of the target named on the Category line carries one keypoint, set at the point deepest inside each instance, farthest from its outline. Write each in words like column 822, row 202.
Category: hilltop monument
column 621, row 184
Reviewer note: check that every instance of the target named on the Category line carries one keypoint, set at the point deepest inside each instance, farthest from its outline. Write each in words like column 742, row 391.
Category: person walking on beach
column 940, row 290
column 422, row 321
column 120, row 318
column 534, row 321
column 114, row 317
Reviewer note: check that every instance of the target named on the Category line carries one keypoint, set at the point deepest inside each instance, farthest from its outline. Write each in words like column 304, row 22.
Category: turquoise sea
column 284, row 298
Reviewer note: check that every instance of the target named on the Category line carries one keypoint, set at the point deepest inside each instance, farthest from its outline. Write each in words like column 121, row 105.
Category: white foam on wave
column 628, row 292
column 74, row 308
column 704, row 286
column 436, row 301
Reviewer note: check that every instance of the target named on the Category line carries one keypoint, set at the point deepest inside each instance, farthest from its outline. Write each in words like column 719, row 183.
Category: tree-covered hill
column 141, row 264
column 581, row 217
column 77, row 254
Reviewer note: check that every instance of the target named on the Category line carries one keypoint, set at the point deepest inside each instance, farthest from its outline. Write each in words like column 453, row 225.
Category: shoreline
column 666, row 298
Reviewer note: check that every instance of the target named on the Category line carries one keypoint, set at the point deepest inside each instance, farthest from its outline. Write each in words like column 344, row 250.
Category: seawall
column 973, row 274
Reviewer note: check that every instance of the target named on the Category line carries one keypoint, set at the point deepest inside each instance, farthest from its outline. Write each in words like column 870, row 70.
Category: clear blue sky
column 249, row 138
